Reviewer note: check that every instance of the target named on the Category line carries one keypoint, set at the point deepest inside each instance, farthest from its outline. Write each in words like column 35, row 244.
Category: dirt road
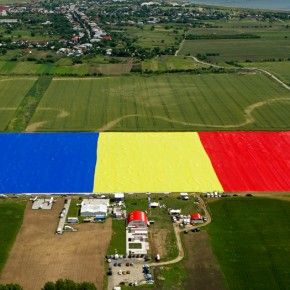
column 178, row 231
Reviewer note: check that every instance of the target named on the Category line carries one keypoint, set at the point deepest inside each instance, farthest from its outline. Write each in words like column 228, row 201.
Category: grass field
column 12, row 91
column 118, row 239
column 280, row 69
column 251, row 239
column 274, row 41
column 234, row 49
column 62, row 69
column 169, row 63
column 159, row 37
column 167, row 102
column 11, row 216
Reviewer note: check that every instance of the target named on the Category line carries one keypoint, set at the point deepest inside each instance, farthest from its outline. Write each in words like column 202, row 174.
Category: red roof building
column 196, row 216
column 137, row 219
column 107, row 37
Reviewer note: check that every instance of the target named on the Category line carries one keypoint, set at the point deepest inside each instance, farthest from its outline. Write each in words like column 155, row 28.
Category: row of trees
column 58, row 285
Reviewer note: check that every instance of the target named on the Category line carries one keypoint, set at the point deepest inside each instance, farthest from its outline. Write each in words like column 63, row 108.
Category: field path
column 267, row 73
column 179, row 48
column 248, row 117
column 178, row 231
column 32, row 127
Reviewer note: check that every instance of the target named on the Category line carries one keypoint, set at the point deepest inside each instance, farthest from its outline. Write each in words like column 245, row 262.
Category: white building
column 97, row 208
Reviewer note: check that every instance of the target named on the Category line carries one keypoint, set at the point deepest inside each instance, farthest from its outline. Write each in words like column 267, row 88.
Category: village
column 76, row 29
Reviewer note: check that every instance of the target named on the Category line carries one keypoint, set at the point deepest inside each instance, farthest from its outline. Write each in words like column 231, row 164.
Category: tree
column 66, row 284
column 49, row 286
column 11, row 287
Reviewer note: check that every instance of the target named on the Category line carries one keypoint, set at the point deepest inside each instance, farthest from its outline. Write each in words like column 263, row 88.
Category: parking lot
column 125, row 270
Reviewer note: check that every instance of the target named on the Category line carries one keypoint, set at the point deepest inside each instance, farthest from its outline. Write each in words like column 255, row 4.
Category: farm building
column 137, row 233
column 97, row 208
column 196, row 218
column 137, row 219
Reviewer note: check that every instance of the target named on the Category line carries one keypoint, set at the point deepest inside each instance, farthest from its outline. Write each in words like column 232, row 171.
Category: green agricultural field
column 62, row 69
column 166, row 102
column 169, row 63
column 12, row 91
column 274, row 41
column 251, row 240
column 11, row 216
column 158, row 37
column 280, row 69
column 234, row 49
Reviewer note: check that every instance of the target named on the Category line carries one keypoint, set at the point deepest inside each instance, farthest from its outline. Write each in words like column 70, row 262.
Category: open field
column 38, row 255
column 272, row 41
column 11, row 215
column 203, row 270
column 279, row 69
column 58, row 69
column 234, row 49
column 166, row 102
column 251, row 240
column 158, row 37
column 12, row 90
column 170, row 63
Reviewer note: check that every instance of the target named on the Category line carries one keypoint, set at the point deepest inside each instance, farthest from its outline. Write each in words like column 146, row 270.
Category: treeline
column 10, row 287
column 197, row 71
column 222, row 36
column 58, row 285
column 68, row 285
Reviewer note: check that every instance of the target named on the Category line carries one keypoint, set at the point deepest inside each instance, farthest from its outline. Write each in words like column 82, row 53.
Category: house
column 107, row 37
column 3, row 11
column 97, row 208
column 196, row 218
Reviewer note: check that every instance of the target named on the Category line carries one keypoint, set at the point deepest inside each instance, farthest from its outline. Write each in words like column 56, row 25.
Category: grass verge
column 11, row 216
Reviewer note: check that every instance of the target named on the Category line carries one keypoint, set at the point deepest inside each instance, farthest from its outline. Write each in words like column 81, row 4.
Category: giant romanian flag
column 144, row 162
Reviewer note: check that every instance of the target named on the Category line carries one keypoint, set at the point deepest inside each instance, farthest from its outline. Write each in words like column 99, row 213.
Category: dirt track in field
column 39, row 255
column 201, row 263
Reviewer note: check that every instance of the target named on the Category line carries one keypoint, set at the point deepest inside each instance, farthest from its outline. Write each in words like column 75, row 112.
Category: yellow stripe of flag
column 153, row 162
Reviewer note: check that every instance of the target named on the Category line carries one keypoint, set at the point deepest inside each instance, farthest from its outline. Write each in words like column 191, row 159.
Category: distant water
column 262, row 4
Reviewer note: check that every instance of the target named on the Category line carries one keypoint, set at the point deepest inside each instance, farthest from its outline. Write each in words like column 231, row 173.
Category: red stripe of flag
column 250, row 161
